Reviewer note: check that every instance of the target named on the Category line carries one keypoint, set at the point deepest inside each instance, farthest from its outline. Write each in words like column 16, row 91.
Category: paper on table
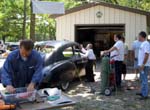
column 2, row 87
column 49, row 91
column 61, row 100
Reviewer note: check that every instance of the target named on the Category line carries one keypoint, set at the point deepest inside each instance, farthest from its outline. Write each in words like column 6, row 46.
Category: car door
column 79, row 61
column 70, row 53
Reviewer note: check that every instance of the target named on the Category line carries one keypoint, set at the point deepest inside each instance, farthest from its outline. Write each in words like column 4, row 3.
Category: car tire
column 64, row 85
column 108, row 92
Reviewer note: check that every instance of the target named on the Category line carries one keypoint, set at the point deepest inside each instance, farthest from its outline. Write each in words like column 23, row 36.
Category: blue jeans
column 144, row 81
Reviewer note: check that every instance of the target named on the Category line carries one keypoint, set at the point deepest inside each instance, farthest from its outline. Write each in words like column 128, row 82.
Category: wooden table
column 48, row 105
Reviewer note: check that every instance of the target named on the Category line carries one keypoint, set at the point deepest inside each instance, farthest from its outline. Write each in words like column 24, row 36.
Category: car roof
column 58, row 44
column 13, row 43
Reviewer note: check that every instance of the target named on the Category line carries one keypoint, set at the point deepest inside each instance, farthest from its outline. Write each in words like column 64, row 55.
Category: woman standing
column 88, row 52
column 118, row 48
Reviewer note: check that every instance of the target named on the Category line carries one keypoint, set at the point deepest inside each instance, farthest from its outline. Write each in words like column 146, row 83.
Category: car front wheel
column 65, row 85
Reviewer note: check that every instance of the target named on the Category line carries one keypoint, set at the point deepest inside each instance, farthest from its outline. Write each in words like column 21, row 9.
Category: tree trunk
column 49, row 32
column 24, row 20
column 3, row 38
column 32, row 25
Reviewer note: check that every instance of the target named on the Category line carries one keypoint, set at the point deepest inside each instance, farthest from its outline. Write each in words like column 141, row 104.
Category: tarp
column 44, row 7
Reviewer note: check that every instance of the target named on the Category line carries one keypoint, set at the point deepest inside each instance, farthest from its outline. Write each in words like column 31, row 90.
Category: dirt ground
column 119, row 100
column 88, row 97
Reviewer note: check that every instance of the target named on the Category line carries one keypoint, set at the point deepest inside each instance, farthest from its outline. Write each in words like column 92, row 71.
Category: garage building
column 98, row 22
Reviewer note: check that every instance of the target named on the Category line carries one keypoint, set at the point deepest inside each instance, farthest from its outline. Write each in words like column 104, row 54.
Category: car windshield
column 48, row 49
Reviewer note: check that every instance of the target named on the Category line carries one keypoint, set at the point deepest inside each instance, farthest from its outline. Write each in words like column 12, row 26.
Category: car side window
column 47, row 49
column 76, row 50
column 68, row 53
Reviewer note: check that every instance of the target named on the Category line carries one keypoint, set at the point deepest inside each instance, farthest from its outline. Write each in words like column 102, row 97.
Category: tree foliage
column 11, row 17
column 139, row 4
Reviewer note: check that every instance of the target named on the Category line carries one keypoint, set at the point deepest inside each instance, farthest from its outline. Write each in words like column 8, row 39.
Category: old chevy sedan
column 62, row 63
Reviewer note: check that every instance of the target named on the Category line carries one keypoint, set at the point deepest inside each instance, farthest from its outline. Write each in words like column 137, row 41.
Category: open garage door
column 101, row 36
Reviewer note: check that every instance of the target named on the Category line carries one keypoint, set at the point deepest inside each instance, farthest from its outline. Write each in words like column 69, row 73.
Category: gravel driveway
column 120, row 100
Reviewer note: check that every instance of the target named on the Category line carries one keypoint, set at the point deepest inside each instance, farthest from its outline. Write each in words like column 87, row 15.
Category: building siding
column 134, row 23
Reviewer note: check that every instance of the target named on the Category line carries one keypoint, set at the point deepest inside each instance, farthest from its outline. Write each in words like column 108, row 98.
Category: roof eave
column 85, row 6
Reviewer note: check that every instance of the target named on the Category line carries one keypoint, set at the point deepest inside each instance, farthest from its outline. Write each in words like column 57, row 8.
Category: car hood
column 2, row 62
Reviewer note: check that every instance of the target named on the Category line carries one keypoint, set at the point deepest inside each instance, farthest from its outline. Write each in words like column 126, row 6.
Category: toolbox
column 21, row 95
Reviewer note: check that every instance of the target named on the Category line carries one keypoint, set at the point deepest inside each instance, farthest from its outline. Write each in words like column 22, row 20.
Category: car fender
column 63, row 70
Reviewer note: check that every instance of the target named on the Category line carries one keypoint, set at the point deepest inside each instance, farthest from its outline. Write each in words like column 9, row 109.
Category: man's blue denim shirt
column 19, row 73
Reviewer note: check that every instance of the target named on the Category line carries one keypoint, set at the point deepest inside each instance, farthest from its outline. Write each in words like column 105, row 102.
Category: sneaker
column 143, row 98
column 139, row 94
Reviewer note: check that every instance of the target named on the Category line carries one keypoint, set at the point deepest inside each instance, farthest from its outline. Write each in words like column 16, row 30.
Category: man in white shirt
column 119, row 58
column 144, row 64
column 89, row 54
column 135, row 47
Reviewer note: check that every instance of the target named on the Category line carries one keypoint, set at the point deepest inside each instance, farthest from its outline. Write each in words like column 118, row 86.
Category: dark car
column 12, row 46
column 62, row 63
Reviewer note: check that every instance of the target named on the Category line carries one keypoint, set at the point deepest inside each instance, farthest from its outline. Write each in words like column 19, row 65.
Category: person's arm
column 133, row 46
column 115, row 47
column 6, row 75
column 126, row 51
column 7, row 72
column 133, row 49
column 145, row 61
column 146, row 57
column 85, row 54
column 147, row 52
column 83, row 50
column 112, row 49
column 38, row 70
column 37, row 76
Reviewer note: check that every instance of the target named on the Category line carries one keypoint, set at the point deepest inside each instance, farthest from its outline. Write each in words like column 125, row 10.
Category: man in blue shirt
column 23, row 67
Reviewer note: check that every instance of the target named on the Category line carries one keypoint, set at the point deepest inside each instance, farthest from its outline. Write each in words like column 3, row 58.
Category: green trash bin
column 105, row 71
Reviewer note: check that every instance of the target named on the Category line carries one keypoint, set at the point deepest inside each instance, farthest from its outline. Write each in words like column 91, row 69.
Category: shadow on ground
column 119, row 100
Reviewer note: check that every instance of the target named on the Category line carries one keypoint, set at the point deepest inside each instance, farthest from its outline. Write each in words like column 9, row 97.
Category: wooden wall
column 134, row 23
